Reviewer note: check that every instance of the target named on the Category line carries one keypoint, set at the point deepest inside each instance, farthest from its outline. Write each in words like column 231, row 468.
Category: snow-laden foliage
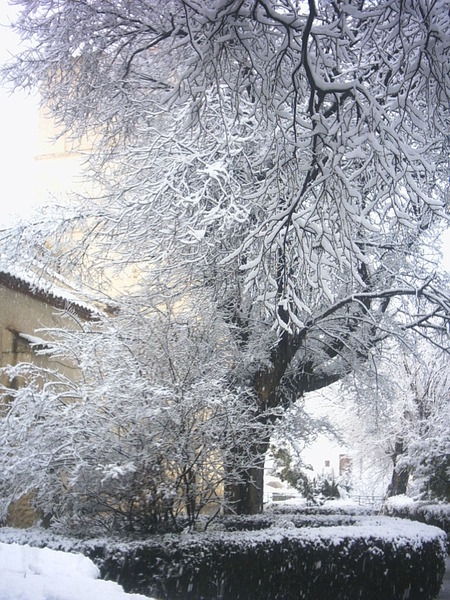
column 292, row 154
column 396, row 415
column 288, row 158
column 427, row 452
column 143, row 439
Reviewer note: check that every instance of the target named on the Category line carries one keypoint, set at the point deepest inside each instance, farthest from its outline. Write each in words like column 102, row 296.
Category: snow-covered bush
column 329, row 507
column 427, row 456
column 141, row 438
column 425, row 512
column 373, row 558
column 291, row 555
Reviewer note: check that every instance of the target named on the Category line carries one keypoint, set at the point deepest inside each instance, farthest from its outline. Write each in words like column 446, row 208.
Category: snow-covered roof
column 27, row 282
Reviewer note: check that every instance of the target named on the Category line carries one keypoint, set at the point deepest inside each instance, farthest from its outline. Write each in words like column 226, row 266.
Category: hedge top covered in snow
column 393, row 530
column 258, row 559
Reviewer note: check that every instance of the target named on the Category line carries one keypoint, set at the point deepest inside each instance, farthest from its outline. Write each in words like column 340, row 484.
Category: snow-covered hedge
column 298, row 514
column 373, row 558
column 330, row 507
column 425, row 512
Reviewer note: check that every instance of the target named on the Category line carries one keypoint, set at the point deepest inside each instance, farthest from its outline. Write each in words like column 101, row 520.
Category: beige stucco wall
column 59, row 162
column 22, row 313
column 21, row 514
column 59, row 174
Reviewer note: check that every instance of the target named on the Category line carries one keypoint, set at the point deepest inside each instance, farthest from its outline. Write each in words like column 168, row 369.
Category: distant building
column 27, row 305
column 345, row 465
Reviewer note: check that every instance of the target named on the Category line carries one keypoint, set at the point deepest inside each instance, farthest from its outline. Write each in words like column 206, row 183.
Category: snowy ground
column 42, row 574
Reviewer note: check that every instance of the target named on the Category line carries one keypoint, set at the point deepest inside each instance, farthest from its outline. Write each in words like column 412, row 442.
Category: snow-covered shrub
column 372, row 559
column 141, row 438
column 329, row 507
column 398, row 504
column 431, row 514
column 309, row 557
column 428, row 457
column 295, row 473
column 284, row 520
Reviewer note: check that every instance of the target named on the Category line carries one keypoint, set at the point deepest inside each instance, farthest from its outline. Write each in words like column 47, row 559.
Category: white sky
column 18, row 133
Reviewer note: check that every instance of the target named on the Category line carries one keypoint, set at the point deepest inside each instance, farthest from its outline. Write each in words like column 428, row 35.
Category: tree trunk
column 400, row 477
column 246, row 496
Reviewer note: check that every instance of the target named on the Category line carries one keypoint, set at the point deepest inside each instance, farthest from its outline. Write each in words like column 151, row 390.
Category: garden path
column 444, row 594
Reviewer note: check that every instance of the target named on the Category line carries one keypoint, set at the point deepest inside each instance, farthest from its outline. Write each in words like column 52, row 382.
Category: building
column 28, row 306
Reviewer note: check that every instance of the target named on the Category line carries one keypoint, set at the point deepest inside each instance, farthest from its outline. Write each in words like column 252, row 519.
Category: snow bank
column 28, row 573
column 399, row 502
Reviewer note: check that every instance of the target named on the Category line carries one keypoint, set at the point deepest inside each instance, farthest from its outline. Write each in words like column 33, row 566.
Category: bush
column 299, row 556
column 377, row 558
column 437, row 515
column 330, row 507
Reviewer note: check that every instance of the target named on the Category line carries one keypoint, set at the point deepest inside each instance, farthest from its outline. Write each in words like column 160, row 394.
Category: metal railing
column 372, row 501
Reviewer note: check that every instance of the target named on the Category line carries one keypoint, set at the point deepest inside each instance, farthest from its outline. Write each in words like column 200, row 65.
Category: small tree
column 427, row 452
column 142, row 438
column 396, row 413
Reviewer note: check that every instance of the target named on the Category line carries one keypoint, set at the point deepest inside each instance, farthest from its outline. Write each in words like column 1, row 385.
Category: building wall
column 58, row 162
column 21, row 313
column 21, row 318
column 59, row 174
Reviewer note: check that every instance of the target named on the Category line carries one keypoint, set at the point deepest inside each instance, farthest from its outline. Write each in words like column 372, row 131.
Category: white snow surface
column 400, row 501
column 28, row 573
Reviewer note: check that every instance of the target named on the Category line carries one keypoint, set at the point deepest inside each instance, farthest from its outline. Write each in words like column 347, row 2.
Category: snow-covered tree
column 288, row 158
column 143, row 439
column 426, row 454
column 394, row 416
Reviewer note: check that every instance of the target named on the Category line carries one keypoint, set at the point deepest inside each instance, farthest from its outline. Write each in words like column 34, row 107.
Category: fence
column 372, row 501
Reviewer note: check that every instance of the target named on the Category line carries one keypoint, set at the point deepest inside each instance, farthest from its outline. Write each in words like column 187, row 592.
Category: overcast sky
column 18, row 132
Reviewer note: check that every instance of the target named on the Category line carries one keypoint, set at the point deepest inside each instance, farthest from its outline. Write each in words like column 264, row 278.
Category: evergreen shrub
column 437, row 515
column 375, row 558
column 280, row 555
